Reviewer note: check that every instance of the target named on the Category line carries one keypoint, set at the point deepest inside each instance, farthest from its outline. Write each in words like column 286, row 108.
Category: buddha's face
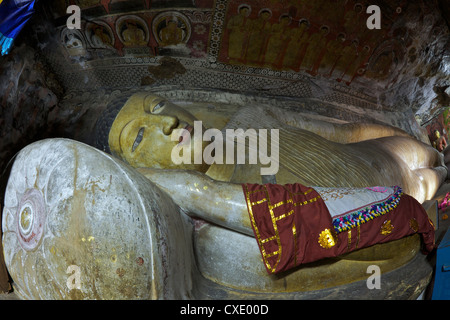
column 142, row 133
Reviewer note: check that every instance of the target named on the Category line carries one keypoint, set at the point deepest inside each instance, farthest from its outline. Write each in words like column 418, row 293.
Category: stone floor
column 443, row 226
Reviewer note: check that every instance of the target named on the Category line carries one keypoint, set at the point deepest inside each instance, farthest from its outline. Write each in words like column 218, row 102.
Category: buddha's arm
column 198, row 195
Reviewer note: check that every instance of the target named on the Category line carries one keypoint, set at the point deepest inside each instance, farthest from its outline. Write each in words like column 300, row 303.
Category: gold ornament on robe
column 414, row 224
column 386, row 228
column 327, row 239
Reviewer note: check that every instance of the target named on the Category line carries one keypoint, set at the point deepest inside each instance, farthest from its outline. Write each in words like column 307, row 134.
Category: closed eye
column 138, row 139
column 159, row 106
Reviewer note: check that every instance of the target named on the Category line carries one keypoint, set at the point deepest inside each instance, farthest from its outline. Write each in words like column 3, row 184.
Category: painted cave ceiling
column 320, row 49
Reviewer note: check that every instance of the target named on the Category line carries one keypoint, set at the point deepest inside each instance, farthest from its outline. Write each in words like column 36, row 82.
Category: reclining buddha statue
column 137, row 225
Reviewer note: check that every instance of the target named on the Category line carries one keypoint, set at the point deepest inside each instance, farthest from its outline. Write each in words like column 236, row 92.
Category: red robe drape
column 293, row 226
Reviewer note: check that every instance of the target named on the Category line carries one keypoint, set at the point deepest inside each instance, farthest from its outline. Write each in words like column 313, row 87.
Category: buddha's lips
column 186, row 134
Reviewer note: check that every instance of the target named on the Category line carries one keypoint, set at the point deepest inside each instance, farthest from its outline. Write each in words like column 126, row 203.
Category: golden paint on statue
column 140, row 135
column 340, row 164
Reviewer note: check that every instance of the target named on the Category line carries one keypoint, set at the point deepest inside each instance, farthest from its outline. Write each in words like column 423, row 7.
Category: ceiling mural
column 319, row 50
column 147, row 30
column 294, row 35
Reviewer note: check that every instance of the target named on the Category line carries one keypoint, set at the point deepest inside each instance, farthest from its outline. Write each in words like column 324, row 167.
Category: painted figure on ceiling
column 346, row 57
column 316, row 45
column 172, row 34
column 101, row 38
column 297, row 45
column 359, row 64
column 133, row 35
column 238, row 27
column 278, row 41
column 353, row 21
column 333, row 51
column 259, row 30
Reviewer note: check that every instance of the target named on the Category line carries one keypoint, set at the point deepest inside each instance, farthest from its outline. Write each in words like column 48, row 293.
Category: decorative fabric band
column 356, row 218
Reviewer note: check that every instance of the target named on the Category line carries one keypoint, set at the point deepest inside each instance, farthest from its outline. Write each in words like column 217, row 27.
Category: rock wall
column 30, row 93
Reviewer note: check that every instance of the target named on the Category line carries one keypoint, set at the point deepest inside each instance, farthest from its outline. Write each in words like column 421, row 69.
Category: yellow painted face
column 141, row 134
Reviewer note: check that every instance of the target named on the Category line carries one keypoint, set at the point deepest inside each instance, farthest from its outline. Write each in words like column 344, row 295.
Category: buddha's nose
column 168, row 124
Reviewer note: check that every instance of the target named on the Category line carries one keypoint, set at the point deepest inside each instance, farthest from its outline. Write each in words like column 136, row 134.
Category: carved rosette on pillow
column 30, row 219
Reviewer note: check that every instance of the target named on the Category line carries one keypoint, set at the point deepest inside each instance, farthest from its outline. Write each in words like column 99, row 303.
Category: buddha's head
column 138, row 129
